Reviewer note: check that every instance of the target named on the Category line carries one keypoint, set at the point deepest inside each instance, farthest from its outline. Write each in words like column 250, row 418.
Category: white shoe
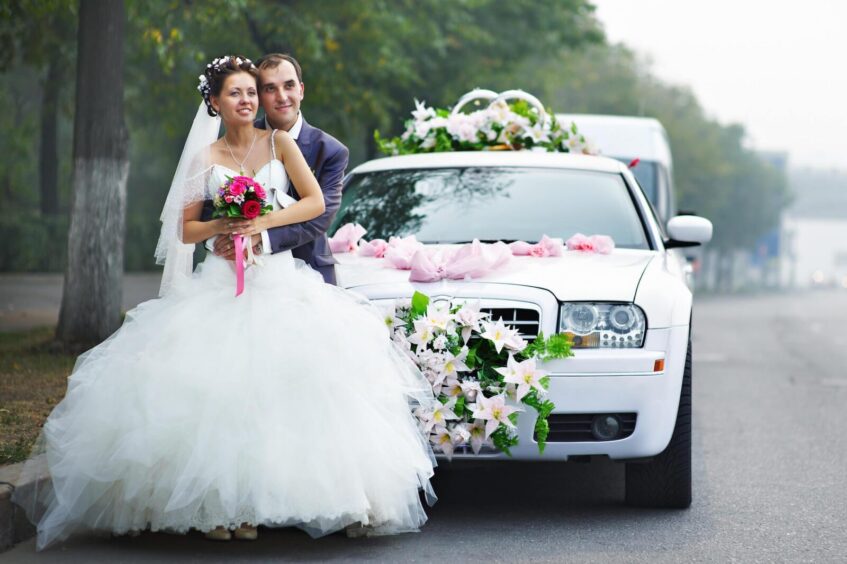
column 246, row 532
column 357, row 530
column 219, row 534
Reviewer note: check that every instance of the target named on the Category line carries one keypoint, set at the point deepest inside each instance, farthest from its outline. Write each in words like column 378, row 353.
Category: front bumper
column 612, row 381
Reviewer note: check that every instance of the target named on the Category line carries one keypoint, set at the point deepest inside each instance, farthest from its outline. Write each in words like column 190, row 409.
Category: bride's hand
column 233, row 226
column 250, row 227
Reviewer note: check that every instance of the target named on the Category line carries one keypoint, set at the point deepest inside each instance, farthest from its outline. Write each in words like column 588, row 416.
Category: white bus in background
column 628, row 138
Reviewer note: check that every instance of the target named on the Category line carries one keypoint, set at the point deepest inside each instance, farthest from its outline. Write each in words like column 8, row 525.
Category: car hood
column 575, row 276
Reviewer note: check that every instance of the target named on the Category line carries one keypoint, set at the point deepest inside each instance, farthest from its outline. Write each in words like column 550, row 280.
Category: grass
column 33, row 379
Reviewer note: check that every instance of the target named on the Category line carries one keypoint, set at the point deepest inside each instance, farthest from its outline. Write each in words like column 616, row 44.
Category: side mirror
column 688, row 231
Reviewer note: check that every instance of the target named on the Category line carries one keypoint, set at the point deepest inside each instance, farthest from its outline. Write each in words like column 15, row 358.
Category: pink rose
column 228, row 198
column 261, row 192
column 237, row 188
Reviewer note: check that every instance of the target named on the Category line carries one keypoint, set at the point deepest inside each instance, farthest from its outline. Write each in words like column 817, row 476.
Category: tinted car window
column 450, row 205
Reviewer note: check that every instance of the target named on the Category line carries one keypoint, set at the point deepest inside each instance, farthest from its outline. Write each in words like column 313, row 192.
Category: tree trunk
column 91, row 301
column 49, row 155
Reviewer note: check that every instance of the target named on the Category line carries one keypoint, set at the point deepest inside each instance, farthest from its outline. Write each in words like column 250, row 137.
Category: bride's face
column 239, row 99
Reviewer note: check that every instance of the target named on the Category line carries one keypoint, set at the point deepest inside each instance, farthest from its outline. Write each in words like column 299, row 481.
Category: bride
column 287, row 405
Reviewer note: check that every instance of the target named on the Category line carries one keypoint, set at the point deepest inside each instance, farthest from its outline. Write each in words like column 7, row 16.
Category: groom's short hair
column 273, row 60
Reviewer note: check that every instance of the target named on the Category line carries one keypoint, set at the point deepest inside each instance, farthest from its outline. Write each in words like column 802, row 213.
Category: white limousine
column 626, row 392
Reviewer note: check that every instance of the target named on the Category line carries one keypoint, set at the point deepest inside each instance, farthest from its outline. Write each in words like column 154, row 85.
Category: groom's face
column 280, row 94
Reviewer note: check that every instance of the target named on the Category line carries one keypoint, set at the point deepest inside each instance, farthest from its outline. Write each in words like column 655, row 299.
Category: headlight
column 598, row 325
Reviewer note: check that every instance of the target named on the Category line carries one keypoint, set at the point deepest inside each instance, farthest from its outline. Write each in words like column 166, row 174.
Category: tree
column 37, row 33
column 91, row 300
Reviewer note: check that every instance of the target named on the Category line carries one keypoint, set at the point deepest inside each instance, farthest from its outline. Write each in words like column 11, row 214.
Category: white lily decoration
column 422, row 112
column 441, row 415
column 524, row 375
column 498, row 334
column 476, row 432
column 423, row 333
column 469, row 317
column 494, row 412
column 455, row 363
column 471, row 389
column 438, row 316
column 452, row 388
column 388, row 311
column 447, row 439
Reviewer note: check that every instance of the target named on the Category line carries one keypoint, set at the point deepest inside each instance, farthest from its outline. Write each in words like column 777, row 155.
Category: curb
column 14, row 524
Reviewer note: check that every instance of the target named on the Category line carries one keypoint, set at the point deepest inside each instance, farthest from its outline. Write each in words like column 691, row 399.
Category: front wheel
column 665, row 481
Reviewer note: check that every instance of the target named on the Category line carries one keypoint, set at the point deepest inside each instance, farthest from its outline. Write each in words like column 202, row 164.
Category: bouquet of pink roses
column 241, row 196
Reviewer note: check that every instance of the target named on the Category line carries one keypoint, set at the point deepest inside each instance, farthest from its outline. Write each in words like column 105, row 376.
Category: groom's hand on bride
column 225, row 247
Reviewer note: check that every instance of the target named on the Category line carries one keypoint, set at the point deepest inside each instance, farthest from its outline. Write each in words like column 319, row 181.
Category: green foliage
column 419, row 304
column 549, row 348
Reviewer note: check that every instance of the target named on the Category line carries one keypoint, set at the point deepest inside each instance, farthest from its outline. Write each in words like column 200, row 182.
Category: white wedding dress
column 287, row 405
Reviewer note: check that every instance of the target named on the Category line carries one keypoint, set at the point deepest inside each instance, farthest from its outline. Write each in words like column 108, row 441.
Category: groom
column 281, row 90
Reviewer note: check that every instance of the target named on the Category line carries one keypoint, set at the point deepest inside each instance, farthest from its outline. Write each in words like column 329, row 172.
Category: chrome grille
column 525, row 320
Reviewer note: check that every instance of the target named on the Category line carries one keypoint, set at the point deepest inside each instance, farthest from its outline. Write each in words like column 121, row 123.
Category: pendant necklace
column 231, row 154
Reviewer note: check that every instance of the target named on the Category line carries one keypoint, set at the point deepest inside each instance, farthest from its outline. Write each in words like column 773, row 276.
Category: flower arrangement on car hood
column 481, row 371
column 503, row 125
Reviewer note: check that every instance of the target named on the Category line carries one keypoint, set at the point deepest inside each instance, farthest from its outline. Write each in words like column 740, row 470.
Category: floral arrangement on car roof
column 481, row 371
column 503, row 125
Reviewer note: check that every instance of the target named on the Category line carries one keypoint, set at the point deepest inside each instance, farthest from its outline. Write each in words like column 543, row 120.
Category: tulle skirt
column 287, row 405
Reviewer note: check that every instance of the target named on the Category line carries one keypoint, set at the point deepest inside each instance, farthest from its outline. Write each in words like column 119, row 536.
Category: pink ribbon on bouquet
column 239, row 264
column 468, row 261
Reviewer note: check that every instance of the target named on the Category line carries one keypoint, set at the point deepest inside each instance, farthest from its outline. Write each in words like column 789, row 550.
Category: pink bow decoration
column 375, row 248
column 546, row 247
column 468, row 261
column 601, row 244
column 346, row 238
column 401, row 250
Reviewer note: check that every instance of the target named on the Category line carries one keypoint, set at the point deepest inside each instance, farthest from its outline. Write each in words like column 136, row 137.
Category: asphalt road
column 770, row 459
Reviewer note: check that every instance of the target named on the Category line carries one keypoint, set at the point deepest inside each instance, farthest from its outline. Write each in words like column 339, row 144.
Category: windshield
column 646, row 173
column 450, row 205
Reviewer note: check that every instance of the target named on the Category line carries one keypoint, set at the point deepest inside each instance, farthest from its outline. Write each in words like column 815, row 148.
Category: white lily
column 516, row 343
column 498, row 334
column 524, row 375
column 452, row 388
column 494, row 412
column 423, row 333
column 537, row 133
column 389, row 313
column 438, row 315
column 422, row 112
column 447, row 439
column 441, row 414
column 476, row 431
column 455, row 363
column 469, row 317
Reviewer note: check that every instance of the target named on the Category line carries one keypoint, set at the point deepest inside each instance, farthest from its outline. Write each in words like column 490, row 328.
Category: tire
column 665, row 481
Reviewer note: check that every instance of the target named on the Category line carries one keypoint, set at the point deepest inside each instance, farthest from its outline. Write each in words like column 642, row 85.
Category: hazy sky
column 779, row 67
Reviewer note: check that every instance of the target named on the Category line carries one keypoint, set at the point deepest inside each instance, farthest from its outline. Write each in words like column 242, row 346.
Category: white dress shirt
column 294, row 132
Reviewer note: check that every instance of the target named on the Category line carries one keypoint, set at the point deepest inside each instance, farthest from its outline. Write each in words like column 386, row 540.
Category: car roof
column 493, row 158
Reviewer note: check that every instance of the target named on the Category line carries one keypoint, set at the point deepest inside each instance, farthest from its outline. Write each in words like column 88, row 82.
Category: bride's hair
column 215, row 73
